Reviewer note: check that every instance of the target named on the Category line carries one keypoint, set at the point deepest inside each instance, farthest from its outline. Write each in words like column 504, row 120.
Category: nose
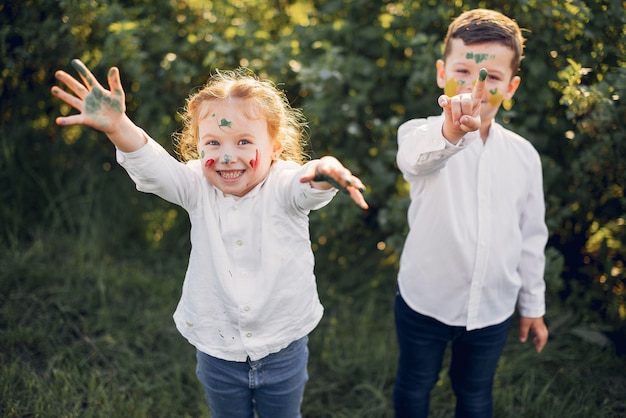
column 226, row 158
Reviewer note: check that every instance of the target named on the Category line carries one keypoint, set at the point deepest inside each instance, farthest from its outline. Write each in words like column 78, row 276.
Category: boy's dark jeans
column 422, row 342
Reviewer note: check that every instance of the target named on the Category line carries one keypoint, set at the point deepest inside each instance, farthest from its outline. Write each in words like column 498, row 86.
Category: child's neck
column 484, row 131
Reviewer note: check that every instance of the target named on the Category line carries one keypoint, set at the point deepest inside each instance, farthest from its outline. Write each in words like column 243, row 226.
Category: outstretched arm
column 329, row 172
column 462, row 112
column 101, row 109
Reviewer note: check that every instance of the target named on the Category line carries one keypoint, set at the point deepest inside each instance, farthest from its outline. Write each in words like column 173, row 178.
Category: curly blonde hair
column 285, row 124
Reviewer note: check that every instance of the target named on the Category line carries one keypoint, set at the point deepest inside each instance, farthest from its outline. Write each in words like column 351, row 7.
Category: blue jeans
column 422, row 341
column 273, row 385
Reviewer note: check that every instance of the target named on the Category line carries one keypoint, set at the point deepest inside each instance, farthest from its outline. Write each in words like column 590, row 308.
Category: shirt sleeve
column 422, row 148
column 531, row 300
column 154, row 170
column 299, row 196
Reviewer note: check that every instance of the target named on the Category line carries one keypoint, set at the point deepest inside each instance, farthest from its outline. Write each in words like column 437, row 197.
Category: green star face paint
column 224, row 123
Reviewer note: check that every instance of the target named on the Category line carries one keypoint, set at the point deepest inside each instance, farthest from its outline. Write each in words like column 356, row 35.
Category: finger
column 70, row 120
column 443, row 101
column 115, row 84
column 70, row 99
column 71, row 83
column 88, row 78
column 467, row 104
column 541, row 339
column 479, row 87
column 539, row 344
column 523, row 334
column 456, row 110
column 358, row 198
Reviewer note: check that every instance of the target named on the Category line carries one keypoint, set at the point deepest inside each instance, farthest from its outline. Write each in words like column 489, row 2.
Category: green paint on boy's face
column 478, row 58
column 202, row 154
column 225, row 123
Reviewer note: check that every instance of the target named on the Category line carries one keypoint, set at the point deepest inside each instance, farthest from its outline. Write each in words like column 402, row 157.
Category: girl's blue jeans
column 273, row 385
column 422, row 343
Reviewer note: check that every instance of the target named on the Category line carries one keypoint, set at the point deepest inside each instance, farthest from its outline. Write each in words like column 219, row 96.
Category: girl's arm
column 101, row 109
column 328, row 172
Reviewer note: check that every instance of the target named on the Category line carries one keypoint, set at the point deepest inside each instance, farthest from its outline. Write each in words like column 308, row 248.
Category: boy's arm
column 101, row 109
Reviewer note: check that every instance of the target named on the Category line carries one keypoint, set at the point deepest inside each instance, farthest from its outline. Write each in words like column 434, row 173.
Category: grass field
column 84, row 334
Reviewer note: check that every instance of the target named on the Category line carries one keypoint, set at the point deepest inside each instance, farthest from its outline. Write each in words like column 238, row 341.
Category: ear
column 512, row 87
column 276, row 150
column 441, row 74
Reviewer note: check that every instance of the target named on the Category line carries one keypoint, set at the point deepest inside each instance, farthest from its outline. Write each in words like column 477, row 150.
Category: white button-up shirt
column 249, row 289
column 477, row 234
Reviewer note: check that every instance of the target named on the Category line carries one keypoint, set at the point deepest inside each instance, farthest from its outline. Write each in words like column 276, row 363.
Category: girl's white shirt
column 249, row 289
column 475, row 247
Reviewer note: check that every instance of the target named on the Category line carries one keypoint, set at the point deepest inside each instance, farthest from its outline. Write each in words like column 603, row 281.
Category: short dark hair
column 484, row 25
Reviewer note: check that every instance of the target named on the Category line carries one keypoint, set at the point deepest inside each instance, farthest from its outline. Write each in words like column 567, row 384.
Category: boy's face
column 235, row 149
column 460, row 71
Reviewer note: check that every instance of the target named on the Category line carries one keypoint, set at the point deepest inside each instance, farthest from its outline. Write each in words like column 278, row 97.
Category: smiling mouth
column 231, row 174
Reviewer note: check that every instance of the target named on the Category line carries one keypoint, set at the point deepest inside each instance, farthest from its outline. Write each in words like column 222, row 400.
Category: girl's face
column 460, row 71
column 234, row 146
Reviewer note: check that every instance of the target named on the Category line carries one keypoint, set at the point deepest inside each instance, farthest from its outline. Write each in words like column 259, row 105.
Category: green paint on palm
column 96, row 100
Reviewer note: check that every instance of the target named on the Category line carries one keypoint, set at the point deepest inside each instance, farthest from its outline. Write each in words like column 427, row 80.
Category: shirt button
column 239, row 242
column 246, row 308
column 249, row 335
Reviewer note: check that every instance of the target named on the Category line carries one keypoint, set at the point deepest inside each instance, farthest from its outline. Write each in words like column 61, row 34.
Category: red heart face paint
column 254, row 163
column 209, row 163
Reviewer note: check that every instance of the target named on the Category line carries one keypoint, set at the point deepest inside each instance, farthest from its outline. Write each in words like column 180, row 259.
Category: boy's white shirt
column 477, row 234
column 249, row 289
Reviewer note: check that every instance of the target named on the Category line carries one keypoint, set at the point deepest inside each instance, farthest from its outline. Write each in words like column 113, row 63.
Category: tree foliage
column 358, row 68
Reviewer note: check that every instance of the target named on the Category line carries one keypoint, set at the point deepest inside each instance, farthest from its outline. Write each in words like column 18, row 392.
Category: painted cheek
column 495, row 98
column 254, row 163
column 209, row 163
column 451, row 87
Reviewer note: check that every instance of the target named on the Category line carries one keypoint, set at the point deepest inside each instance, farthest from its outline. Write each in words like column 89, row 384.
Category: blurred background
column 91, row 270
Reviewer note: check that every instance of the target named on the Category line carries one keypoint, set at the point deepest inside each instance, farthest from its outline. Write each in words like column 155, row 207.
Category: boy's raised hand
column 462, row 112
column 99, row 108
column 329, row 170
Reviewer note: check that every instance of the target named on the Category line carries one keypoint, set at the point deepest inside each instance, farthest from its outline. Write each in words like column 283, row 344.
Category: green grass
column 84, row 334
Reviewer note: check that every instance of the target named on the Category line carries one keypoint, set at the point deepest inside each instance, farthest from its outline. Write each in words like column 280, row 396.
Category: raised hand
column 328, row 169
column 462, row 112
column 99, row 108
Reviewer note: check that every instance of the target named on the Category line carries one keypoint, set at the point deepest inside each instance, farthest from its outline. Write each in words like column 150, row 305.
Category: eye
column 211, row 142
column 244, row 142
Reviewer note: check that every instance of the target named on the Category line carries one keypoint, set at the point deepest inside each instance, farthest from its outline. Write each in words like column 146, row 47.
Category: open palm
column 99, row 108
